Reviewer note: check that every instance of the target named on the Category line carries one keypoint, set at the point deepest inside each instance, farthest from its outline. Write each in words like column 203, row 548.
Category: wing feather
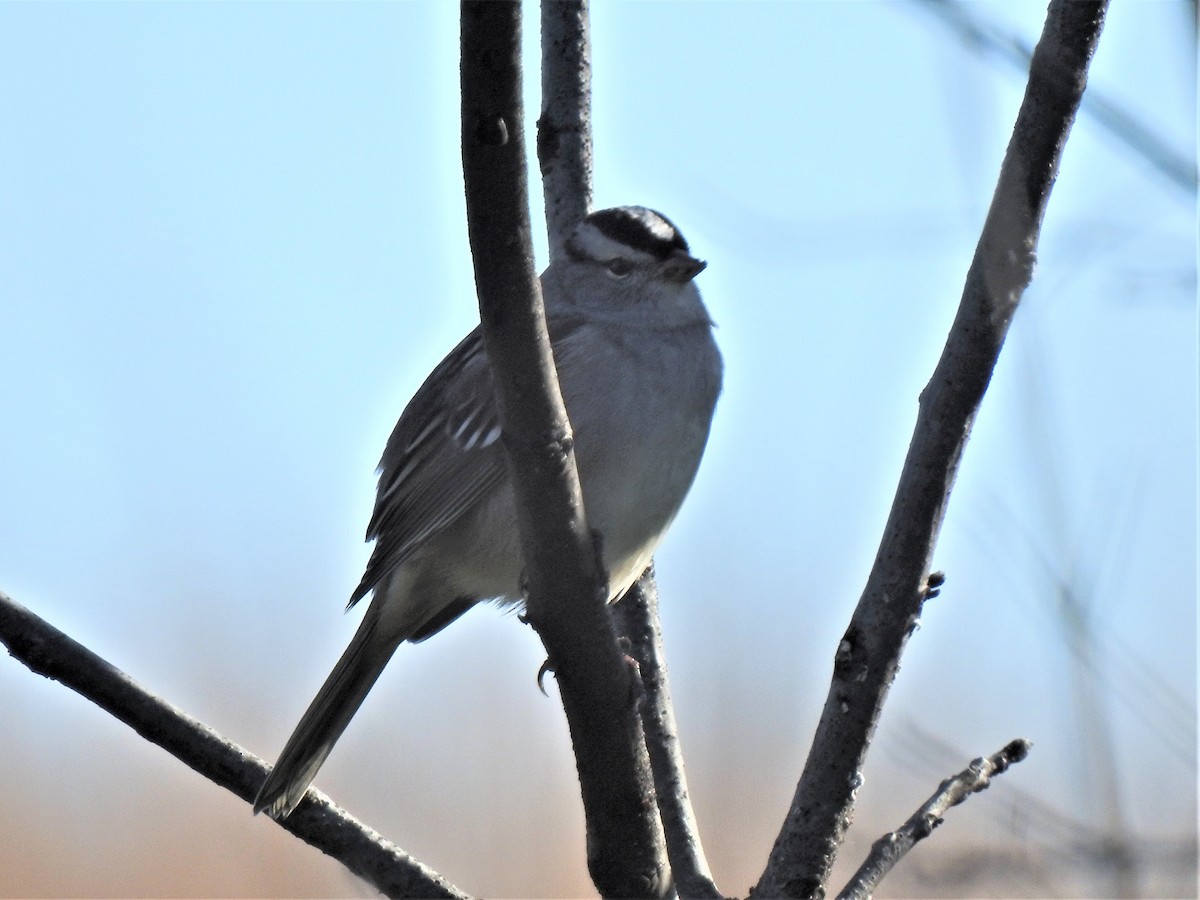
column 440, row 461
column 443, row 457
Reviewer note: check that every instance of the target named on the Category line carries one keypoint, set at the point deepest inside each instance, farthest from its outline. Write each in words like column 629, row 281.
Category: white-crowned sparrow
column 640, row 374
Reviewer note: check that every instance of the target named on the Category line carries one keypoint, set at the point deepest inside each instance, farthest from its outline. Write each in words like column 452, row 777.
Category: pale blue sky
column 233, row 243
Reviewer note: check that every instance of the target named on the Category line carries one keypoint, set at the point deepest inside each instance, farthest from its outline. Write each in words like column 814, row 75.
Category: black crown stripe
column 629, row 225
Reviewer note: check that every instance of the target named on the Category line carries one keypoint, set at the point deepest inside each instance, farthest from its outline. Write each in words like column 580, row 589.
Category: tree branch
column 890, row 849
column 317, row 821
column 564, row 129
column 637, row 619
column 565, row 157
column 566, row 588
column 868, row 655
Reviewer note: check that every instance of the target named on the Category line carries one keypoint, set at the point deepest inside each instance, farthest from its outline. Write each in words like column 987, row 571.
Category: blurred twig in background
column 1135, row 135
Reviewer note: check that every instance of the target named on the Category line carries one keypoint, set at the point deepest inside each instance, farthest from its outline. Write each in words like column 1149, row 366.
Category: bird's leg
column 602, row 587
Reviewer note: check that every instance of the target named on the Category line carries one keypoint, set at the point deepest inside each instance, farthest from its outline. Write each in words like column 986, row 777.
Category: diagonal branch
column 869, row 653
column 49, row 652
column 890, row 849
column 566, row 593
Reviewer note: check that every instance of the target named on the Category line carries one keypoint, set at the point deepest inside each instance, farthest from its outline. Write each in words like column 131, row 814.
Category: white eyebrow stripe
column 595, row 245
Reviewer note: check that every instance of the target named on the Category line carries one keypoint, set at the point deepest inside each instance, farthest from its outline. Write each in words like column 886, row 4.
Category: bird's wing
column 443, row 457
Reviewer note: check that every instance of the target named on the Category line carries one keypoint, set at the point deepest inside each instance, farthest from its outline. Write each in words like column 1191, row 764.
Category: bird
column 640, row 374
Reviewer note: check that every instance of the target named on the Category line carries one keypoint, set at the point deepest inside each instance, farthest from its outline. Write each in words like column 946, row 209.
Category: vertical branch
column 869, row 653
column 566, row 593
column 565, row 157
column 637, row 618
column 564, row 130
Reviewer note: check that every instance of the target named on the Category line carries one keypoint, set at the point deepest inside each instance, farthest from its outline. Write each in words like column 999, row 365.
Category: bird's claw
column 545, row 668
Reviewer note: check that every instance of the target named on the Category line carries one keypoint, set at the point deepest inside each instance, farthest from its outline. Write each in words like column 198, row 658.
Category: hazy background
column 232, row 243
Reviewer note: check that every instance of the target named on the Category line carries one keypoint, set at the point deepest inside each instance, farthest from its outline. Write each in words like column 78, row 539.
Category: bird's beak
column 681, row 267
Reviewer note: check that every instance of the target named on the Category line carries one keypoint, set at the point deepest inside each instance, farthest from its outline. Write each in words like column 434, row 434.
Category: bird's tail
column 325, row 719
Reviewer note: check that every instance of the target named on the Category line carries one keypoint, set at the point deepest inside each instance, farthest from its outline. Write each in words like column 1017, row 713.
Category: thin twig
column 869, row 653
column 890, row 849
column 49, row 652
column 637, row 620
column 566, row 595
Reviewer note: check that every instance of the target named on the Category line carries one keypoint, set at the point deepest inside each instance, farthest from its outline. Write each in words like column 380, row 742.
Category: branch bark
column 564, row 129
column 566, row 587
column 317, row 821
column 565, row 159
column 637, row 620
column 890, row 849
column 868, row 655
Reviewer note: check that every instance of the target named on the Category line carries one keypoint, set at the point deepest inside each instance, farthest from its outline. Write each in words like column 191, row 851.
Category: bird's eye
column 618, row 267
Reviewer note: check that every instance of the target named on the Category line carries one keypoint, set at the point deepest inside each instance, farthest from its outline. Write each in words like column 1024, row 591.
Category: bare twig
column 564, row 129
column 637, row 619
column 49, row 652
column 625, row 844
column 869, row 653
column 890, row 849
